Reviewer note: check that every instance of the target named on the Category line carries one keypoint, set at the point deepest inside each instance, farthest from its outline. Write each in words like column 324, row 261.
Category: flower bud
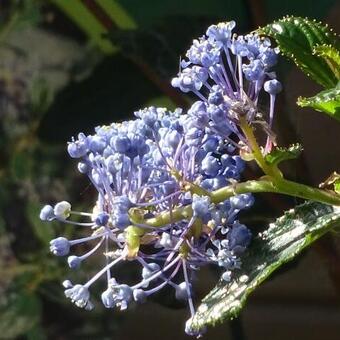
column 272, row 86
column 62, row 210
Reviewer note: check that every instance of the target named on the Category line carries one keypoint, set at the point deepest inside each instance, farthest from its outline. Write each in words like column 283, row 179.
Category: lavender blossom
column 140, row 169
column 162, row 161
column 227, row 74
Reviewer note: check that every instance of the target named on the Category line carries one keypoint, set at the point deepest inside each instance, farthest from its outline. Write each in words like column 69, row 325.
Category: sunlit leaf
column 297, row 37
column 282, row 154
column 332, row 57
column 327, row 101
column 282, row 242
column 95, row 30
column 332, row 182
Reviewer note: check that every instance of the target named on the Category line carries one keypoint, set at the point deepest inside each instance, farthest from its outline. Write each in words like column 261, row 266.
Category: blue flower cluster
column 227, row 73
column 149, row 169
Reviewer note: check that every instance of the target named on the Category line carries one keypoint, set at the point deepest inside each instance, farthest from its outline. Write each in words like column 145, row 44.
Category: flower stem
column 281, row 186
column 268, row 169
column 274, row 182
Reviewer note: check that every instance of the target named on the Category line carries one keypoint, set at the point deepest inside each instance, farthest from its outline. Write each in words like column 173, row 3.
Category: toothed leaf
column 297, row 37
column 332, row 57
column 280, row 243
column 327, row 101
column 282, row 154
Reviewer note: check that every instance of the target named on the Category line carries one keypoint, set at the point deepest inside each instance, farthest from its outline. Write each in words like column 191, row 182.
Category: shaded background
column 69, row 65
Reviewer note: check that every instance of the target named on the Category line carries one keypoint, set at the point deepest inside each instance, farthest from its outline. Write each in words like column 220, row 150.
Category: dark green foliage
column 280, row 243
column 297, row 37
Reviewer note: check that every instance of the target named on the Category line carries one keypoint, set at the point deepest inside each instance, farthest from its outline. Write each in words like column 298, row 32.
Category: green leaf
column 118, row 14
column 280, row 243
column 332, row 57
column 337, row 186
column 19, row 313
column 327, row 101
column 40, row 95
column 332, row 182
column 21, row 165
column 84, row 18
column 282, row 154
column 297, row 37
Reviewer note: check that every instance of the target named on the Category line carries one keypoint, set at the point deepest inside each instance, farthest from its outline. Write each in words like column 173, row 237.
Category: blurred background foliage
column 67, row 66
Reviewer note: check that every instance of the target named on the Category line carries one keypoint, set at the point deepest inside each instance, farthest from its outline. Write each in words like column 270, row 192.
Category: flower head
column 142, row 168
column 155, row 175
column 228, row 73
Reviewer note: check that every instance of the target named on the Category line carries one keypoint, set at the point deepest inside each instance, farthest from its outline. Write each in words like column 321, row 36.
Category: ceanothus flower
column 47, row 213
column 80, row 295
column 60, row 246
column 148, row 169
column 142, row 168
column 228, row 73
